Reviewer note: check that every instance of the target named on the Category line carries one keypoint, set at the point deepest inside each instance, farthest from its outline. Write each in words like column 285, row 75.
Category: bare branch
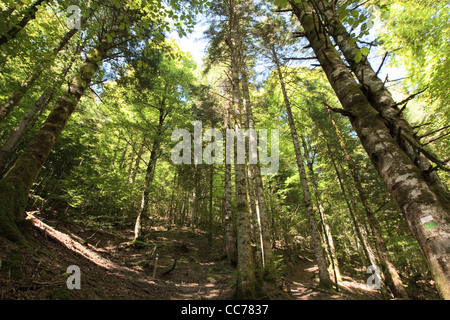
column 306, row 58
column 338, row 110
column 433, row 132
column 382, row 63
column 409, row 98
column 435, row 139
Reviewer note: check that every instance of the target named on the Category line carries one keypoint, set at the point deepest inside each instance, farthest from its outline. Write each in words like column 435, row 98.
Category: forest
column 303, row 156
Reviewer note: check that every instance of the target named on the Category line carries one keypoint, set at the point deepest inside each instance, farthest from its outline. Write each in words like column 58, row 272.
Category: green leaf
column 365, row 51
column 358, row 57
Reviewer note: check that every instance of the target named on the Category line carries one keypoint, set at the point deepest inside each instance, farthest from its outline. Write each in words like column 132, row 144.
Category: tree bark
column 230, row 237
column 9, row 104
column 388, row 268
column 149, row 175
column 425, row 210
column 324, row 275
column 16, row 184
column 267, row 255
column 30, row 14
column 379, row 96
column 246, row 280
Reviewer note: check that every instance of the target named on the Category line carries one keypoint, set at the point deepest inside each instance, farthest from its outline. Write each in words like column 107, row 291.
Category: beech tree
column 418, row 200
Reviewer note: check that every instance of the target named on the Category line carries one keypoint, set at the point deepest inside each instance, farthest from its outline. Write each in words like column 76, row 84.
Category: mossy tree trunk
column 380, row 97
column 426, row 212
column 27, row 122
column 29, row 14
column 16, row 184
column 388, row 268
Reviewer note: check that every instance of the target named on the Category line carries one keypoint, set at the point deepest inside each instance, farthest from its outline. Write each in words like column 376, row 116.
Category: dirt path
column 111, row 268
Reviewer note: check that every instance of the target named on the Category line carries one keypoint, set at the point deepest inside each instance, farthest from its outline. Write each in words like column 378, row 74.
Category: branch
column 338, row 110
column 433, row 158
column 422, row 125
column 402, row 109
column 382, row 63
column 409, row 98
column 97, row 95
column 306, row 58
column 435, row 139
column 433, row 132
column 299, row 34
column 283, row 10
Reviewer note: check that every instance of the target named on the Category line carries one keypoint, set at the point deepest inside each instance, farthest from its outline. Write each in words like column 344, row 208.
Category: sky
column 196, row 44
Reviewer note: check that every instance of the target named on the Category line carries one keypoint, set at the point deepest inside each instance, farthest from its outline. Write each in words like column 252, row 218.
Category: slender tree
column 426, row 210
column 28, row 15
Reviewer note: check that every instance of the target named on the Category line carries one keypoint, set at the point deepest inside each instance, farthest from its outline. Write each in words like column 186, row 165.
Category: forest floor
column 111, row 268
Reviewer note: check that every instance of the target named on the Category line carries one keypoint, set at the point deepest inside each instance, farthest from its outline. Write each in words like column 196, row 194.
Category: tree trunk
column 230, row 238
column 27, row 122
column 267, row 255
column 326, row 227
column 149, row 175
column 16, row 184
column 9, row 104
column 246, row 280
column 210, row 215
column 172, row 200
column 359, row 226
column 256, row 225
column 324, row 275
column 380, row 97
column 388, row 268
column 30, row 14
column 425, row 210
column 137, row 163
column 353, row 210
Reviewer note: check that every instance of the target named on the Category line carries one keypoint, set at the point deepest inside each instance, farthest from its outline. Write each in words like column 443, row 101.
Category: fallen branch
column 71, row 244
column 171, row 269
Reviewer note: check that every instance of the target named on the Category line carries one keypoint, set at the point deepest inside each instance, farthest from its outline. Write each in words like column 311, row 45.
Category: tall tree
column 425, row 209
column 246, row 282
column 28, row 15
column 14, row 187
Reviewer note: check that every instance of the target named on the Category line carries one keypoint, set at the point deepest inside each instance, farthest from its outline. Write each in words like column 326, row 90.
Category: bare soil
column 174, row 264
